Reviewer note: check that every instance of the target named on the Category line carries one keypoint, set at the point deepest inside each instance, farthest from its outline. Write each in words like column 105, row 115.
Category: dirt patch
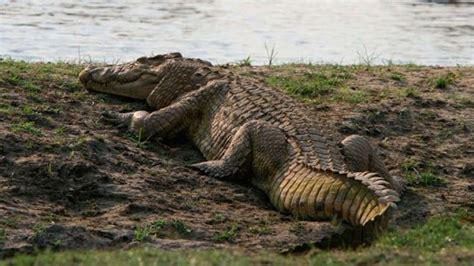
column 69, row 181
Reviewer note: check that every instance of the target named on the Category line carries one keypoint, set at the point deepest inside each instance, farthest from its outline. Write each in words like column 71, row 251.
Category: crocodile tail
column 356, row 197
column 370, row 197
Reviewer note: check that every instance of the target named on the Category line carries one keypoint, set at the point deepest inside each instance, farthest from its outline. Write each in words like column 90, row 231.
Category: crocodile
column 248, row 130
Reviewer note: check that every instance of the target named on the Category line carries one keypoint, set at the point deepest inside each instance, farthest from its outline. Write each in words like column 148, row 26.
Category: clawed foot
column 214, row 169
column 115, row 118
column 203, row 167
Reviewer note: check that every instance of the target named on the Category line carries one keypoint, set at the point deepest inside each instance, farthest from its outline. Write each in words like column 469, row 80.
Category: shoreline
column 246, row 61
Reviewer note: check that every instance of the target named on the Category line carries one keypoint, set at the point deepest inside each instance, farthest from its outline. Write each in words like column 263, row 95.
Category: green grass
column 396, row 93
column 309, row 86
column 27, row 127
column 261, row 229
column 32, row 76
column 441, row 240
column 317, row 85
column 352, row 96
column 218, row 218
column 6, row 109
column 416, row 176
column 28, row 110
column 61, row 130
column 330, row 84
column 443, row 81
column 138, row 139
column 440, row 232
column 156, row 229
column 228, row 234
column 181, row 227
column 411, row 92
column 144, row 233
column 426, row 179
column 70, row 85
column 463, row 100
column 397, row 77
column 21, row 82
column 148, row 256
column 245, row 62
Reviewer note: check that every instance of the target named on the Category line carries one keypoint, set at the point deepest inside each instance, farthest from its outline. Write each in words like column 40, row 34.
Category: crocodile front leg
column 164, row 122
column 168, row 120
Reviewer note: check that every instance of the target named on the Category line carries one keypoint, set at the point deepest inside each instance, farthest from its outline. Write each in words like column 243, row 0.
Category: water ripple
column 420, row 31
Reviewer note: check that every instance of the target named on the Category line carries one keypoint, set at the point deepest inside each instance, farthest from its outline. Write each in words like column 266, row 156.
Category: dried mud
column 74, row 182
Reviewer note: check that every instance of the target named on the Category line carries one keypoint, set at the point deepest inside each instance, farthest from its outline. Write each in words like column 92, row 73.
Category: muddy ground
column 68, row 180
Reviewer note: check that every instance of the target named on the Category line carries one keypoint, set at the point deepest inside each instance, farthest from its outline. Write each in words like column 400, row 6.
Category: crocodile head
column 135, row 80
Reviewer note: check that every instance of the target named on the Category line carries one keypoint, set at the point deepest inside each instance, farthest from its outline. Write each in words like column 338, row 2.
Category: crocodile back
column 251, row 100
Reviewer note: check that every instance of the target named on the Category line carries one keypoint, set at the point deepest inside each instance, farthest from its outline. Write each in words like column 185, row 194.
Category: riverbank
column 68, row 181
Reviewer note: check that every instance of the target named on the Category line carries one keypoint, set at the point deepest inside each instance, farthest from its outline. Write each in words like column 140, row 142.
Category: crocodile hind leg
column 256, row 145
column 360, row 156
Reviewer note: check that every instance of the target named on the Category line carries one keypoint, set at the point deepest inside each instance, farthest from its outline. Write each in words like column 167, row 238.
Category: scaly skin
column 247, row 129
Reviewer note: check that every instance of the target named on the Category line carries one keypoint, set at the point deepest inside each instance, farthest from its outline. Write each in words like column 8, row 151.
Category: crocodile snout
column 85, row 76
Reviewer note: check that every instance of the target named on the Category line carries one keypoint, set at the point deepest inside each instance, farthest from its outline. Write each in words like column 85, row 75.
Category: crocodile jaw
column 134, row 80
column 134, row 83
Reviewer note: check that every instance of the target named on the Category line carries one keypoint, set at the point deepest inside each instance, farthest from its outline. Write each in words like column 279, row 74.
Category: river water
column 329, row 31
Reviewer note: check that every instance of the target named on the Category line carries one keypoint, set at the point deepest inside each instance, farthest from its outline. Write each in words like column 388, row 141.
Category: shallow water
column 222, row 31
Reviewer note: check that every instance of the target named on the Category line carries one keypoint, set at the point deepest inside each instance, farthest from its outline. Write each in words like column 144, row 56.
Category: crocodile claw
column 214, row 169
column 109, row 117
column 201, row 167
column 115, row 118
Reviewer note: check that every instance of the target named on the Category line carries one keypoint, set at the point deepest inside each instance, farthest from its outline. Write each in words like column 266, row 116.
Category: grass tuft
column 28, row 110
column 411, row 92
column 138, row 139
column 27, row 127
column 6, row 109
column 144, row 233
column 443, row 81
column 351, row 96
column 397, row 77
column 262, row 229
column 181, row 227
column 245, row 62
column 311, row 85
column 438, row 233
column 229, row 235
column 425, row 178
